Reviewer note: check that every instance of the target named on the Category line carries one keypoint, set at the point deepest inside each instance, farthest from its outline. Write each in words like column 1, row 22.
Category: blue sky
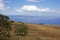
column 30, row 7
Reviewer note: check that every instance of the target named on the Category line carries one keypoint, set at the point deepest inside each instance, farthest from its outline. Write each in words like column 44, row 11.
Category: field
column 37, row 32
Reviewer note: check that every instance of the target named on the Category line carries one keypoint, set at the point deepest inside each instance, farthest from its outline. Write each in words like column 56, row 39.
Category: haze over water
column 36, row 19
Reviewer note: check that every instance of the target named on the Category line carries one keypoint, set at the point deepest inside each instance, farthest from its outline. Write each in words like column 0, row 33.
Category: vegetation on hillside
column 5, row 27
column 22, row 30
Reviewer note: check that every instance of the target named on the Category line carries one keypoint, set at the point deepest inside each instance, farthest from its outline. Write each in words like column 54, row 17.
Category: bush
column 22, row 30
column 11, row 21
column 41, row 23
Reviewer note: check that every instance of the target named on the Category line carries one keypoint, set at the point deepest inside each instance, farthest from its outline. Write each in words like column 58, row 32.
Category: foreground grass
column 37, row 32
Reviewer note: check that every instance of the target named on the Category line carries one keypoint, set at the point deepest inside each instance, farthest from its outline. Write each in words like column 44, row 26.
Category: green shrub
column 12, row 21
column 22, row 30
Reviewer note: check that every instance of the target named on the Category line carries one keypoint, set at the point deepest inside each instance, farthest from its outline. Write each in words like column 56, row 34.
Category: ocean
column 36, row 19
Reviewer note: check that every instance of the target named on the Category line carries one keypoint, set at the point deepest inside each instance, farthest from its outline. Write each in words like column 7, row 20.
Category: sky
column 30, row 7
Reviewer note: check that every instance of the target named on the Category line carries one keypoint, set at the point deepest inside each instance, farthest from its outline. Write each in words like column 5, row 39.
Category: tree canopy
column 4, row 27
column 3, row 20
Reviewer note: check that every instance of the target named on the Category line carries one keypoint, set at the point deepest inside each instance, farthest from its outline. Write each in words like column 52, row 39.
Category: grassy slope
column 38, row 32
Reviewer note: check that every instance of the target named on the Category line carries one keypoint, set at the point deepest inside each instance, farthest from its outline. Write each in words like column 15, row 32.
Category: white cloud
column 7, row 7
column 31, row 8
column 33, row 0
column 0, row 0
column 56, row 11
column 2, row 7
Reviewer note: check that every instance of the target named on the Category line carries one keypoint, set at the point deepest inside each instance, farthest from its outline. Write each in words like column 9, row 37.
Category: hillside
column 38, row 32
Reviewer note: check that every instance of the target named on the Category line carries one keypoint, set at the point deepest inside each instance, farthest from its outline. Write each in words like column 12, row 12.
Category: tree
column 3, row 19
column 22, row 30
column 4, row 27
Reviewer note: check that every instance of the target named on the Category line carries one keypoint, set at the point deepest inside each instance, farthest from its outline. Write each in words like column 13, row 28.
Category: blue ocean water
column 37, row 19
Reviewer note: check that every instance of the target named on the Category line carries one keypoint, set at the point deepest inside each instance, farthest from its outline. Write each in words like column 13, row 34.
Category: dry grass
column 38, row 32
